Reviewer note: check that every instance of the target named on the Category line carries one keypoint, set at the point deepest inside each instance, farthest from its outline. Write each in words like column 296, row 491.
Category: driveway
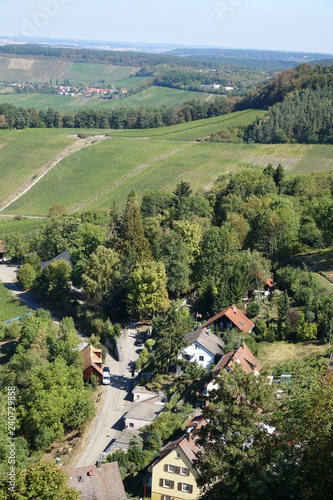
column 117, row 401
column 8, row 277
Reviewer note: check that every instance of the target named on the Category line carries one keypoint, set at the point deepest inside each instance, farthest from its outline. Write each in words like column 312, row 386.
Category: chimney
column 234, row 308
column 99, row 464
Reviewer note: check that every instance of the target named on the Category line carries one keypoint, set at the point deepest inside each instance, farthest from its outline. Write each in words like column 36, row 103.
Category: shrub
column 253, row 308
column 26, row 276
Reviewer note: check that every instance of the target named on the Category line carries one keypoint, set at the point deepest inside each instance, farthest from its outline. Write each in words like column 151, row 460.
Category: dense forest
column 299, row 103
column 306, row 116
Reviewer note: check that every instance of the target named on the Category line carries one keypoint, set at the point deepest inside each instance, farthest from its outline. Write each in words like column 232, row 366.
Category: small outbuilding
column 92, row 363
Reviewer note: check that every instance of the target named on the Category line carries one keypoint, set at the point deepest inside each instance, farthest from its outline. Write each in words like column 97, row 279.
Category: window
column 187, row 357
column 171, row 468
column 131, row 425
column 167, row 483
column 178, row 454
column 183, row 471
column 186, row 488
column 201, row 358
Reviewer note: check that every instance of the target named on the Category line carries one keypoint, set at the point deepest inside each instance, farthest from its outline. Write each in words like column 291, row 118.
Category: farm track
column 73, row 148
column 123, row 179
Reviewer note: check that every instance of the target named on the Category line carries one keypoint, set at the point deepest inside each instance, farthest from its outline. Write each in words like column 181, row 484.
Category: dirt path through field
column 73, row 148
column 122, row 179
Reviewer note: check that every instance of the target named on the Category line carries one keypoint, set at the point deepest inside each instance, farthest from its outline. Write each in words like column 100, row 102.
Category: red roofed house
column 3, row 251
column 231, row 318
column 241, row 356
column 92, row 363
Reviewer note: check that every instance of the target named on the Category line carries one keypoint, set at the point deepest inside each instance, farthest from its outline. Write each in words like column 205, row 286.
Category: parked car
column 106, row 376
column 138, row 343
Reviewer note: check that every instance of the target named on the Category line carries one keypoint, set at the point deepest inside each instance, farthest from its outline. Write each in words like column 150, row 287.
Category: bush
column 253, row 308
column 26, row 276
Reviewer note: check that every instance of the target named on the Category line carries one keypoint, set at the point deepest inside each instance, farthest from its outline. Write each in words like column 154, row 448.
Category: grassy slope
column 150, row 97
column 10, row 307
column 42, row 70
column 22, row 153
column 148, row 159
column 23, row 226
column 271, row 355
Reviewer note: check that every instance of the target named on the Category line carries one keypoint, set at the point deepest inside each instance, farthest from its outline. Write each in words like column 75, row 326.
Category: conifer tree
column 134, row 238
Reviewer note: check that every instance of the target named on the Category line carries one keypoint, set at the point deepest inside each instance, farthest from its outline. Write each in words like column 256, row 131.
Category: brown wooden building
column 92, row 363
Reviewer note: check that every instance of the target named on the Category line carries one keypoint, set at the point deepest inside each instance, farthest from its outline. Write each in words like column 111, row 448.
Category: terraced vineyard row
column 318, row 159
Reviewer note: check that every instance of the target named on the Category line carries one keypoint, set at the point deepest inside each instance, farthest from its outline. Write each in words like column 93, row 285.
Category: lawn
column 10, row 307
column 276, row 353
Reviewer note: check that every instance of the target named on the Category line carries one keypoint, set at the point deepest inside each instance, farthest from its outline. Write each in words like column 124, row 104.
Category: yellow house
column 173, row 475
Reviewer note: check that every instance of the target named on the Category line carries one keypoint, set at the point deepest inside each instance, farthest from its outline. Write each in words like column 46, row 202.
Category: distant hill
column 302, row 77
column 263, row 55
column 301, row 107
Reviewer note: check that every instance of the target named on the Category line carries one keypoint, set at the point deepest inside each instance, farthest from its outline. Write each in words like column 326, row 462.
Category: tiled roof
column 207, row 340
column 103, row 484
column 186, row 446
column 243, row 356
column 236, row 317
column 91, row 359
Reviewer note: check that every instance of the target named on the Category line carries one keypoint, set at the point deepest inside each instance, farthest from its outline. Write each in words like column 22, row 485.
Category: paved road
column 117, row 401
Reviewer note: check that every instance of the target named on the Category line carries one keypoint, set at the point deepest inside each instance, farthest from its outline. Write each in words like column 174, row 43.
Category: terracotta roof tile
column 236, row 317
column 243, row 356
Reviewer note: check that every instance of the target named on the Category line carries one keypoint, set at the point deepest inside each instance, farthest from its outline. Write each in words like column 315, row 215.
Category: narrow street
column 116, row 402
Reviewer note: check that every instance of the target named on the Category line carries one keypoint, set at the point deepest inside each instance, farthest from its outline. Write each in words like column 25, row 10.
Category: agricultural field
column 150, row 97
column 195, row 129
column 105, row 172
column 24, row 226
column 38, row 70
column 319, row 159
column 120, row 164
column 10, row 307
column 23, row 153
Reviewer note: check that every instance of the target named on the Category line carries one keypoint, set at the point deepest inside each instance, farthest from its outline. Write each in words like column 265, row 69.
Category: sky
column 295, row 25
